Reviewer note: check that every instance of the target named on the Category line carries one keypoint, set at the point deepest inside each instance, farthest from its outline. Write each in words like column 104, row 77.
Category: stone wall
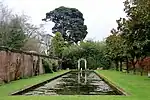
column 14, row 66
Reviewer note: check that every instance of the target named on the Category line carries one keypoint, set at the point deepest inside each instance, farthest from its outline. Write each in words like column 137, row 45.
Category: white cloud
column 100, row 15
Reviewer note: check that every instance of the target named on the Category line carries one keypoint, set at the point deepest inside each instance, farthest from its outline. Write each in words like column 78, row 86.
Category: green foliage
column 50, row 65
column 130, row 42
column 136, row 28
column 57, row 45
column 93, row 52
column 69, row 22
column 72, row 54
column 12, row 34
column 55, row 66
column 16, row 32
column 47, row 66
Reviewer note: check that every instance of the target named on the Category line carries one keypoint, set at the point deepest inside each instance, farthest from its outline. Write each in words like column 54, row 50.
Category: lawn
column 137, row 86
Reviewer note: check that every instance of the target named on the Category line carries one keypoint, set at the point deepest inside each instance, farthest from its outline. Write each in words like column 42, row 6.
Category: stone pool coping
column 114, row 86
column 28, row 88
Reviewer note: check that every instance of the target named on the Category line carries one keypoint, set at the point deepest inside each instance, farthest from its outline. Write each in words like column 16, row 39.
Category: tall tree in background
column 11, row 30
column 134, row 33
column 116, row 48
column 69, row 22
column 136, row 29
column 17, row 32
column 57, row 45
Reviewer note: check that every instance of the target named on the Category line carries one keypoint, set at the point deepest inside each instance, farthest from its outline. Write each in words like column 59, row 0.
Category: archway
column 85, row 62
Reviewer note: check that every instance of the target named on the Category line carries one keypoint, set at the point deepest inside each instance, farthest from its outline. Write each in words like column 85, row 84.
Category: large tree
column 116, row 49
column 17, row 32
column 69, row 22
column 11, row 33
column 134, row 30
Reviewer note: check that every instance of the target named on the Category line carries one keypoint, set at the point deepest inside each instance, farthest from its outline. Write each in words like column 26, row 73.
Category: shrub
column 47, row 66
column 55, row 65
column 92, row 51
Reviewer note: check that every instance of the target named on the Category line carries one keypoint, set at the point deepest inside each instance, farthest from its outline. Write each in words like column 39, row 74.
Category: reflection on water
column 75, row 83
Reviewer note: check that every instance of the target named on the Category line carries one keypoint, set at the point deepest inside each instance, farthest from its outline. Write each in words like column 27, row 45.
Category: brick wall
column 14, row 66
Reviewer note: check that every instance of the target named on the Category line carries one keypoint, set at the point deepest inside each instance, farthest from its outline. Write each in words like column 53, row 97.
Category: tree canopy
column 131, row 39
column 69, row 22
column 92, row 51
column 57, row 46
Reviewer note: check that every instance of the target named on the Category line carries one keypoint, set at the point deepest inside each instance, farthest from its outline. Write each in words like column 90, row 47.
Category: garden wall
column 14, row 66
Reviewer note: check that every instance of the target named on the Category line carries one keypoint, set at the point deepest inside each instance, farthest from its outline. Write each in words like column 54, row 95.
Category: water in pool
column 75, row 83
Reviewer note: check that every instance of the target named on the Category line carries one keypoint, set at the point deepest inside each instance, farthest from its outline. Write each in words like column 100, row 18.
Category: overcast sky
column 100, row 15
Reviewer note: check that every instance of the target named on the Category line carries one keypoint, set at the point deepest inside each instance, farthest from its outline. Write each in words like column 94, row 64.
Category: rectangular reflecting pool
column 74, row 83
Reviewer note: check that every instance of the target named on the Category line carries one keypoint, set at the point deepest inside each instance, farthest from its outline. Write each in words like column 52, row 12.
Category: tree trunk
column 140, row 62
column 127, row 65
column 141, row 67
column 134, row 69
column 116, row 62
column 109, row 65
column 142, row 72
column 121, row 65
